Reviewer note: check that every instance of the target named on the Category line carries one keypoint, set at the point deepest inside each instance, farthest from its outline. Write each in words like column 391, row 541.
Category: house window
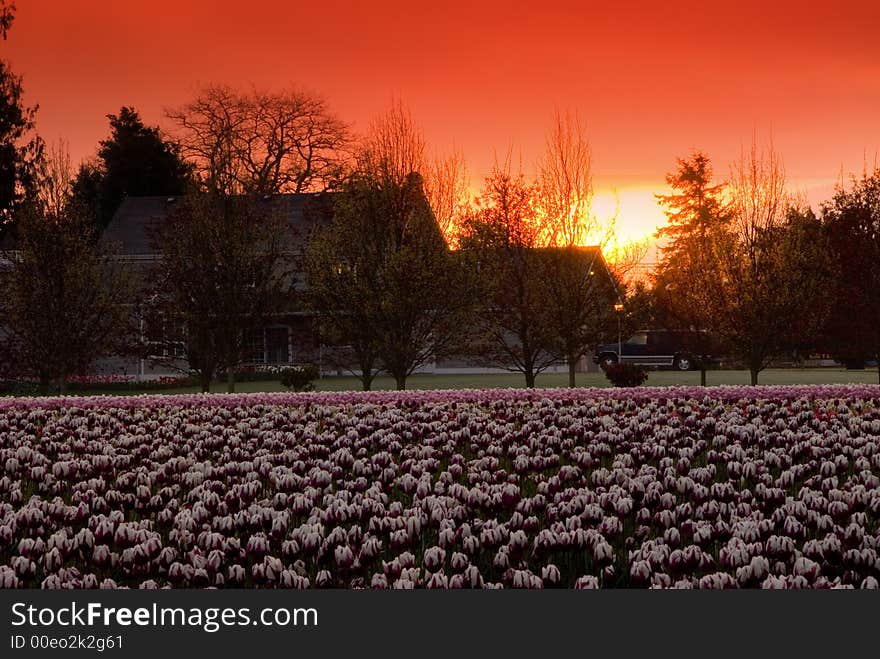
column 255, row 347
column 165, row 336
column 277, row 344
column 269, row 345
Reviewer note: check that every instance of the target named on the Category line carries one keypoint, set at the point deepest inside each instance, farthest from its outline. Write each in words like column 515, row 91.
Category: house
column 291, row 336
column 288, row 338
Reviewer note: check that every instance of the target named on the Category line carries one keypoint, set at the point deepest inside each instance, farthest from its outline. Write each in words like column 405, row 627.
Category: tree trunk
column 400, row 379
column 367, row 374
column 572, row 364
column 530, row 378
column 45, row 383
column 230, row 379
column 702, row 377
column 206, row 382
column 62, row 386
column 754, row 373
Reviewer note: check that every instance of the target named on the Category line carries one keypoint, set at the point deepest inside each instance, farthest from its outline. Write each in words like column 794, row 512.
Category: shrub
column 625, row 375
column 19, row 388
column 258, row 372
column 300, row 378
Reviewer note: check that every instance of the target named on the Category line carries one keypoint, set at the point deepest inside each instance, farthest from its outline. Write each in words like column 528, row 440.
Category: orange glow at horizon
column 635, row 209
column 651, row 81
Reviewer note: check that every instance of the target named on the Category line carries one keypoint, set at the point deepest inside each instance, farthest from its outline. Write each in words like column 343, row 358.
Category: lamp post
column 619, row 309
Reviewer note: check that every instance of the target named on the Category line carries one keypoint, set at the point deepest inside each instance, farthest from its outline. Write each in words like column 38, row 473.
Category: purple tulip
column 236, row 574
column 586, row 582
column 806, row 568
column 344, row 557
column 323, row 579
column 438, row 580
column 8, row 577
column 459, row 561
column 550, row 574
column 434, row 558
column 869, row 583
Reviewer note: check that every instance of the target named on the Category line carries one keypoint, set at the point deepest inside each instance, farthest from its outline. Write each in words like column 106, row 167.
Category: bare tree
column 393, row 148
column 55, row 185
column 626, row 260
column 261, row 142
column 565, row 180
column 581, row 290
column 447, row 186
column 758, row 196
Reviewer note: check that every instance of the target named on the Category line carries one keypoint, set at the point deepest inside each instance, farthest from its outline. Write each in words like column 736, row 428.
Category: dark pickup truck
column 682, row 350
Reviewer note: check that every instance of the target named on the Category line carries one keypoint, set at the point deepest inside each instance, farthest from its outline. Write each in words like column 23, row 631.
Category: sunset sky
column 651, row 80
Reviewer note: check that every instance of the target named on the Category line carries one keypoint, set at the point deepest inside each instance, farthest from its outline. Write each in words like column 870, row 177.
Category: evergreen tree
column 696, row 214
column 694, row 208
column 20, row 147
column 134, row 161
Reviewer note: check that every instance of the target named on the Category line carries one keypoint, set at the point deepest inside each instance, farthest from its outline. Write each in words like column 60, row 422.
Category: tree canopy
column 382, row 280
column 503, row 236
column 135, row 160
column 852, row 224
column 222, row 274
column 697, row 215
column 380, row 276
column 20, row 147
column 262, row 142
column 7, row 15
column 66, row 303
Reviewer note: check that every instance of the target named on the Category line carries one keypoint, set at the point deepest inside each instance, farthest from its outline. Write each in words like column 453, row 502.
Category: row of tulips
column 723, row 393
column 686, row 488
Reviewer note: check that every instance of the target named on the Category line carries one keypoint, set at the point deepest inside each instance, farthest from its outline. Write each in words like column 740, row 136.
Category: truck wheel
column 683, row 363
column 607, row 360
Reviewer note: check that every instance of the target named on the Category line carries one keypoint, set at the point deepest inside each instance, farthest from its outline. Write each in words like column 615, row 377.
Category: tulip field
column 727, row 487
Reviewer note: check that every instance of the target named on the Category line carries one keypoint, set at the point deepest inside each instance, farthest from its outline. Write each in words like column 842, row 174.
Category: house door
column 277, row 345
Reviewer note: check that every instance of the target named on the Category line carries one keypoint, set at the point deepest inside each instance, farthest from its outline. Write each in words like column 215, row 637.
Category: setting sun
column 638, row 214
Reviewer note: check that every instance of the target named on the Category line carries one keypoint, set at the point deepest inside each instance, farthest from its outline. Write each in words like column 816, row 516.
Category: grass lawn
column 546, row 380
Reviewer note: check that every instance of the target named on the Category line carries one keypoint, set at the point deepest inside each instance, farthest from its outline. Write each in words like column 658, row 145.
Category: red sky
column 651, row 80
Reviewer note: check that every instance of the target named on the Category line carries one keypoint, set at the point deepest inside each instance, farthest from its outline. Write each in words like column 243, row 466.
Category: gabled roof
column 138, row 217
column 591, row 254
